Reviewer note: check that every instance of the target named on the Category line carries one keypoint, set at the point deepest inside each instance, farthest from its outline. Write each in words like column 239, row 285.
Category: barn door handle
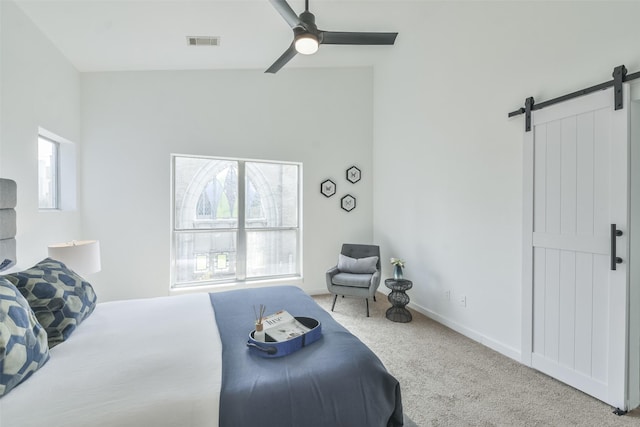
column 614, row 259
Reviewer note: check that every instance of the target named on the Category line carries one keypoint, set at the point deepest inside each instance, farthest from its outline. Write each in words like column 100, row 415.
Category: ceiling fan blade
column 284, row 58
column 340, row 37
column 286, row 12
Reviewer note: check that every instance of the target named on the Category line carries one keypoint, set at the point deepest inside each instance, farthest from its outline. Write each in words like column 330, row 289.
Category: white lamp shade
column 81, row 256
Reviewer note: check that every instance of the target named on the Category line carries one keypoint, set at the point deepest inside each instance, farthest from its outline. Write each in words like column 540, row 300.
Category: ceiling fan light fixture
column 307, row 37
column 306, row 43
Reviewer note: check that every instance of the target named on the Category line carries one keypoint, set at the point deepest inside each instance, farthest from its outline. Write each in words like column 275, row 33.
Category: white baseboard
column 470, row 333
column 317, row 291
column 501, row 348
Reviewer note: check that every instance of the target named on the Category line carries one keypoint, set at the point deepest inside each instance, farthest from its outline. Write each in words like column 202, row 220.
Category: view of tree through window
column 234, row 220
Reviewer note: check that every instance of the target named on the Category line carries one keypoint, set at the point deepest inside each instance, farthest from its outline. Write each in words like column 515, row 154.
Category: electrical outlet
column 447, row 295
column 463, row 301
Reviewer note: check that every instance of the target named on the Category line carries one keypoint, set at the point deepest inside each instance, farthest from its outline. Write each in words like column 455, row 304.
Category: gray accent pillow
column 357, row 265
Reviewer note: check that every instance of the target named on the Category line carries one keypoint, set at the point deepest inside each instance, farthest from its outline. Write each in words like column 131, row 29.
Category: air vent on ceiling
column 203, row 41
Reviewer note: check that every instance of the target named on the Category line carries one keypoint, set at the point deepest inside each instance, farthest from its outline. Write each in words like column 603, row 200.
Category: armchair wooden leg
column 367, row 300
column 334, row 302
column 374, row 298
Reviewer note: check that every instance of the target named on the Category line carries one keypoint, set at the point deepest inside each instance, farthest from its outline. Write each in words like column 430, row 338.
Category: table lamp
column 81, row 256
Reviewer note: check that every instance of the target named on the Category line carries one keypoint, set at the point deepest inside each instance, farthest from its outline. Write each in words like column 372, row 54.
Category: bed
column 183, row 361
column 179, row 361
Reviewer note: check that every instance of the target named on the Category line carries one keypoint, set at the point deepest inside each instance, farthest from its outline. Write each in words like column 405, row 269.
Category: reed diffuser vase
column 258, row 335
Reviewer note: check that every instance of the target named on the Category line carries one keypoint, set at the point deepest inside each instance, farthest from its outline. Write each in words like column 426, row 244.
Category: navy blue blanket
column 335, row 381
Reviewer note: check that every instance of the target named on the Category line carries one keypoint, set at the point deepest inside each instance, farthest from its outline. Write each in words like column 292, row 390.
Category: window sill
column 220, row 287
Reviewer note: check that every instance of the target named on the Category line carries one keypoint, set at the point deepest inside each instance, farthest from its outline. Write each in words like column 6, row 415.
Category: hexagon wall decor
column 348, row 203
column 328, row 188
column 353, row 174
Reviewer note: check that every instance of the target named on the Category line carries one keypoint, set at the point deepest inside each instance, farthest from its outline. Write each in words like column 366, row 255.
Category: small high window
column 48, row 173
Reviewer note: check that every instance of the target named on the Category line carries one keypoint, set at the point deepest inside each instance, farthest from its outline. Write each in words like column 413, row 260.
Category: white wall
column 40, row 88
column 132, row 121
column 448, row 162
column 445, row 173
column 1, row 61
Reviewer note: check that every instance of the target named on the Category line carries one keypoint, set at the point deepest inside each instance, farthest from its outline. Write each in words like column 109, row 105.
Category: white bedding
column 150, row 362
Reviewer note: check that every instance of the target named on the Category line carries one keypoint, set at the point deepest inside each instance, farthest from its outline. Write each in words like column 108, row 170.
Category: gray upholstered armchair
column 357, row 273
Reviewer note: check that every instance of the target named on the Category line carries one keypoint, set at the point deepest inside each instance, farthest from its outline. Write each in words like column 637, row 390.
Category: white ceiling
column 114, row 35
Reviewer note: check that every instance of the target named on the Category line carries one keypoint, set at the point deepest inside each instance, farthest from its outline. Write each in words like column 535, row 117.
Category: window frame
column 241, row 230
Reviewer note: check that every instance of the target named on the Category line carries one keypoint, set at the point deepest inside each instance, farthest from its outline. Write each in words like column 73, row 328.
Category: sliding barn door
column 576, row 187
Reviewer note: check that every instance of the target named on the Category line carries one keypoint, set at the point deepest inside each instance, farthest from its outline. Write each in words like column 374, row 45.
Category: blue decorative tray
column 271, row 348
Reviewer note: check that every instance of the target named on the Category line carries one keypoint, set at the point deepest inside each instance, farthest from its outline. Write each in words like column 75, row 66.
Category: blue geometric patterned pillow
column 23, row 342
column 60, row 298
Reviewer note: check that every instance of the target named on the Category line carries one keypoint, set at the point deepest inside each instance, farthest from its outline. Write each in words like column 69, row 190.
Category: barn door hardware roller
column 619, row 76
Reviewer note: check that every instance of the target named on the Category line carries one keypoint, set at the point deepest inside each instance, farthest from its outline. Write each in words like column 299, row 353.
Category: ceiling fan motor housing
column 308, row 21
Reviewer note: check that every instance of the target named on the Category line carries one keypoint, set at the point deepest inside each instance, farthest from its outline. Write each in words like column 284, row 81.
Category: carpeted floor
column 449, row 380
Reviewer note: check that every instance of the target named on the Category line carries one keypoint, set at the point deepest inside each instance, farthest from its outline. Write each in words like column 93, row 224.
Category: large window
column 48, row 173
column 234, row 220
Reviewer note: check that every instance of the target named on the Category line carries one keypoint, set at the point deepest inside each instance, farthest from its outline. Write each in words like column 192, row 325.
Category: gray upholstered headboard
column 8, row 200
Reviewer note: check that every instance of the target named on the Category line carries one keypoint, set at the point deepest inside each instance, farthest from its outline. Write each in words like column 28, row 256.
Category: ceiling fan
column 307, row 37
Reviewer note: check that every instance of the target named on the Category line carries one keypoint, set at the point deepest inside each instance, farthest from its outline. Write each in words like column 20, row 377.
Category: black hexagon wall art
column 328, row 188
column 348, row 203
column 353, row 174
